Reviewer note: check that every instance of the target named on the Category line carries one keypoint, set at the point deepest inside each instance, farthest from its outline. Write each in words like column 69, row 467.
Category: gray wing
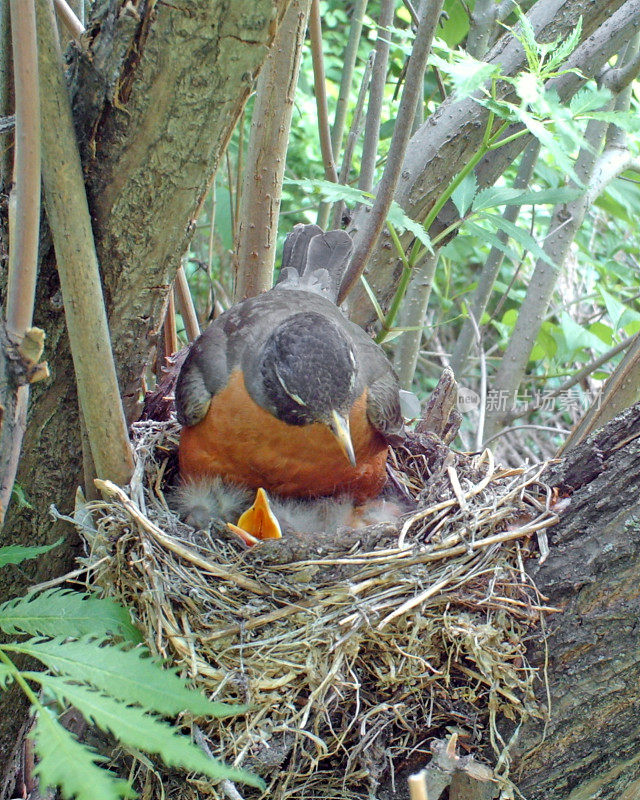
column 203, row 374
column 383, row 396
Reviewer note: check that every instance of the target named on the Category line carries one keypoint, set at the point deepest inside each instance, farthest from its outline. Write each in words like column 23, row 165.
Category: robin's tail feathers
column 315, row 261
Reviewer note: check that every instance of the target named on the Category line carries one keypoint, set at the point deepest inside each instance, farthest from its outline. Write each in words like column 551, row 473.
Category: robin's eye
column 296, row 399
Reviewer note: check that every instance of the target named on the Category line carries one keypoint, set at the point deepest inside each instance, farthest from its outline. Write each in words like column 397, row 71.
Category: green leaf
column 491, row 238
column 521, row 236
column 627, row 120
column 504, row 196
column 466, row 73
column 136, row 728
column 561, row 50
column 129, row 675
column 589, row 98
column 546, row 342
column 15, row 554
column 549, row 140
column 332, row 192
column 464, row 193
column 402, row 222
column 63, row 612
column 615, row 308
column 64, row 762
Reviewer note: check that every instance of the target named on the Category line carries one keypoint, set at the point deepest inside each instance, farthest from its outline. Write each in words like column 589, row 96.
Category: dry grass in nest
column 355, row 651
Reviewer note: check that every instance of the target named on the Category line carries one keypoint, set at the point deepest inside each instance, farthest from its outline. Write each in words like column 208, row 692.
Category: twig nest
column 356, row 650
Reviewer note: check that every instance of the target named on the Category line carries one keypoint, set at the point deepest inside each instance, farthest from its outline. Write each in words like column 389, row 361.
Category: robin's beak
column 258, row 522
column 339, row 427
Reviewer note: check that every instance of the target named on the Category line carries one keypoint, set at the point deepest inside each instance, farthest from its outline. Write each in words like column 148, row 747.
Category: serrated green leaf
column 561, row 50
column 63, row 612
column 402, row 222
column 589, row 98
column 504, row 196
column 331, row 192
column 139, row 729
column 519, row 235
column 15, row 554
column 129, row 675
column 464, row 193
column 491, row 238
column 64, row 762
column 627, row 120
column 549, row 140
column 466, row 73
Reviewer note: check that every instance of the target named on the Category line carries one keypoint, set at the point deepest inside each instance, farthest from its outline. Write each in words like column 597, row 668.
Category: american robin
column 283, row 392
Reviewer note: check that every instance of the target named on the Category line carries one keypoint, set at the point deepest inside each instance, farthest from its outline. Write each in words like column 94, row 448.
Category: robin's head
column 309, row 374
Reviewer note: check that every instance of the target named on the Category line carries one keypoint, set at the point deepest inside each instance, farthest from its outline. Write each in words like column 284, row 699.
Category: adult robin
column 283, row 392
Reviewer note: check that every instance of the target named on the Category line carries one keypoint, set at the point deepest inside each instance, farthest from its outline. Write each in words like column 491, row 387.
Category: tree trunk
column 593, row 573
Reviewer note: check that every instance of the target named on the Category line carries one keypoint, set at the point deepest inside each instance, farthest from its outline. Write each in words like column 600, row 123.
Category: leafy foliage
column 117, row 687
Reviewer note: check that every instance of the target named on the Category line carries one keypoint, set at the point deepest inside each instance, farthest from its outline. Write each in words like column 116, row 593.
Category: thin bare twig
column 367, row 237
column 324, row 133
column 346, row 79
column 376, row 96
column 352, row 138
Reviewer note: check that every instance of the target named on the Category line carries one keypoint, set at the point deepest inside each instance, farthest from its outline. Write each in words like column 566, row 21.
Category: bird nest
column 355, row 652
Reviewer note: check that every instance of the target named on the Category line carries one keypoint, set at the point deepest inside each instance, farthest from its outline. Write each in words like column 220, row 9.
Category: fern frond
column 64, row 762
column 14, row 553
column 136, row 728
column 64, row 612
column 128, row 675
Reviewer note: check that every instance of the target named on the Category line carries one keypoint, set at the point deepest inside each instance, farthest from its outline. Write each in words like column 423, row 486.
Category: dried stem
column 352, row 138
column 70, row 223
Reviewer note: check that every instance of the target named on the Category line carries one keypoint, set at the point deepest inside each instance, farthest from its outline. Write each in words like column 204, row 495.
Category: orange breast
column 242, row 442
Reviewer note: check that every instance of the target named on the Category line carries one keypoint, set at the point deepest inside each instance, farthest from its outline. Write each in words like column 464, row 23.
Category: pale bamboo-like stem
column 24, row 202
column 70, row 223
column 185, row 305
column 69, row 18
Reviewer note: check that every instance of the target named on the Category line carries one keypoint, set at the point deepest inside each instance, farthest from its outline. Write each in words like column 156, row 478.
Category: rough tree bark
column 592, row 742
column 157, row 90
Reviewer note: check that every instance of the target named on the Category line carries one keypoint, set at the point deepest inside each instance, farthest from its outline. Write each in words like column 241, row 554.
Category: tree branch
column 266, row 156
column 70, row 223
column 376, row 96
column 366, row 238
